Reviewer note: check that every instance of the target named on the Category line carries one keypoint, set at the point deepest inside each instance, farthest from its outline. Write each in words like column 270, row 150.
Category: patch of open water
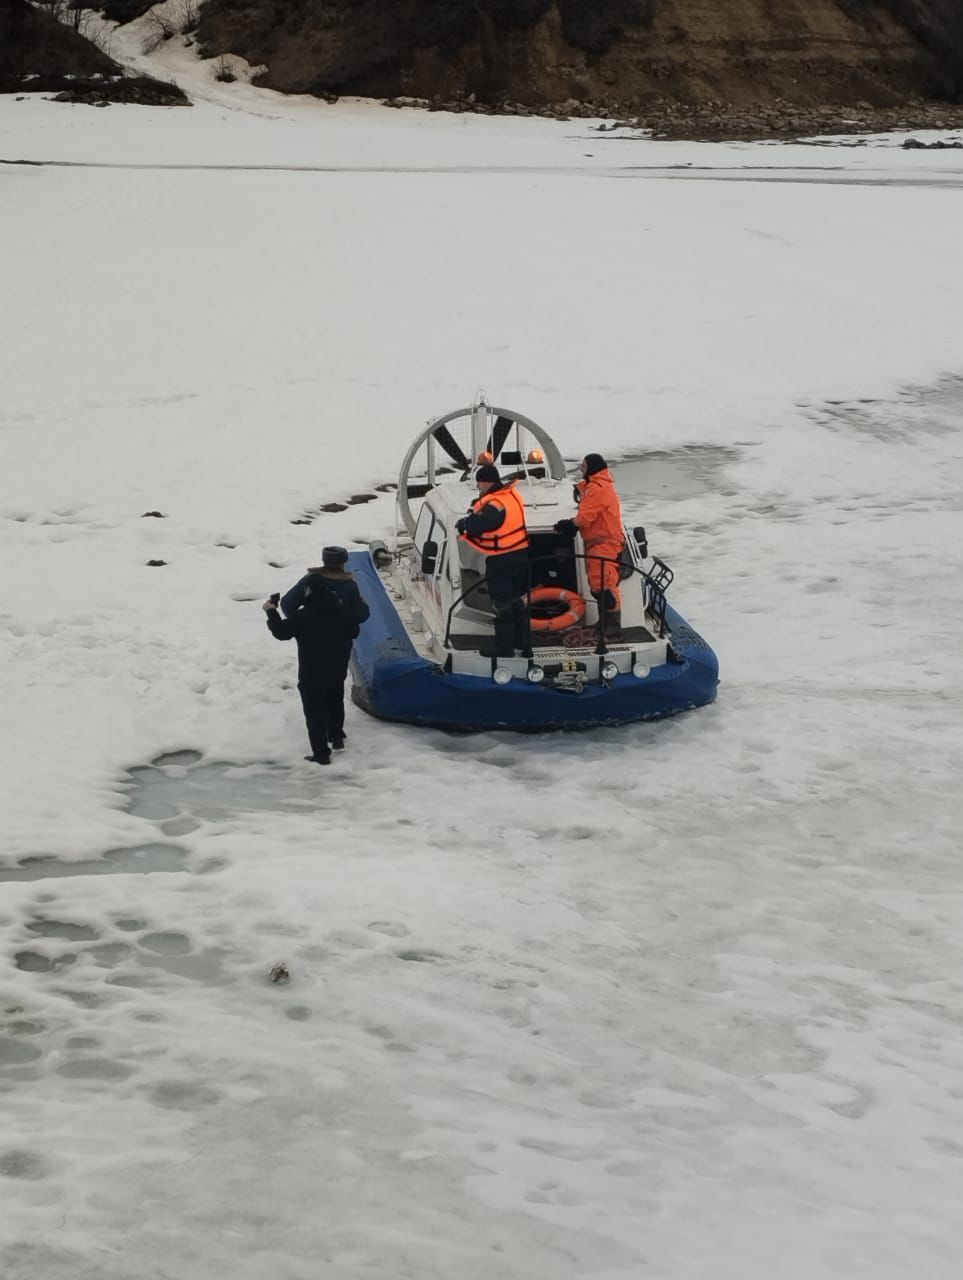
column 674, row 474
column 935, row 410
column 179, row 792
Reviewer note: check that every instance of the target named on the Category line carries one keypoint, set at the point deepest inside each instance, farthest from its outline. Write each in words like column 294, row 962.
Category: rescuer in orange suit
column 599, row 520
column 495, row 526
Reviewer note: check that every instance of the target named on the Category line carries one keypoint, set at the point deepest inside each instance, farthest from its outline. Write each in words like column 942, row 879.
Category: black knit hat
column 594, row 462
column 334, row 557
column 488, row 472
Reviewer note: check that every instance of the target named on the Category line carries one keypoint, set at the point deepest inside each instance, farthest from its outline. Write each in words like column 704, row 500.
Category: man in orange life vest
column 495, row 525
column 599, row 520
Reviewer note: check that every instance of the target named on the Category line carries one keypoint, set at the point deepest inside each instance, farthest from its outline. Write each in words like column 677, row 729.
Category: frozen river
column 679, row 1000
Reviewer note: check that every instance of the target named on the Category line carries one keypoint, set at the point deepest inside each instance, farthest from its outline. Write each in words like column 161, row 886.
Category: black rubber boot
column 613, row 624
column 521, row 636
column 504, row 631
column 612, row 617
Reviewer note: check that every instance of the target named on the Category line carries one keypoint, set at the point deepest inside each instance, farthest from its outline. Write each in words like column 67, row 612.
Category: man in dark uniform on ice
column 325, row 612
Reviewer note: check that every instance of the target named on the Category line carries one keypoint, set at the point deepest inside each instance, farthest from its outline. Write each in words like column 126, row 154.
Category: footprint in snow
column 391, row 928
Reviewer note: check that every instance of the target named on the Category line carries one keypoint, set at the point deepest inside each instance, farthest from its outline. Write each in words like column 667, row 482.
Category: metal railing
column 657, row 581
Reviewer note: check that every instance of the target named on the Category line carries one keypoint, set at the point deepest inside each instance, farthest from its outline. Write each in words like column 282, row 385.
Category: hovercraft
column 425, row 655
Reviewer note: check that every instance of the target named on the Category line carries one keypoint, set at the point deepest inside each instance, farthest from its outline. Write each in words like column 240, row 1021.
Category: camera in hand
column 275, row 598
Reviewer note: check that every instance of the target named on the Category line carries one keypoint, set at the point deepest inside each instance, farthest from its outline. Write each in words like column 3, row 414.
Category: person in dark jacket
column 326, row 611
column 495, row 526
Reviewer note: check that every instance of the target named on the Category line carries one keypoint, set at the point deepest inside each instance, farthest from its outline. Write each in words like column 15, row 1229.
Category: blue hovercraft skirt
column 393, row 682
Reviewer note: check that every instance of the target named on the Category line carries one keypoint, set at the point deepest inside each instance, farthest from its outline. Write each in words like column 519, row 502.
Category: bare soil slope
column 34, row 44
column 40, row 54
column 621, row 54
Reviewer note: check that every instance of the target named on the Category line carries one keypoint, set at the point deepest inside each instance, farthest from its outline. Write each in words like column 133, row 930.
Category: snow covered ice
column 679, row 1000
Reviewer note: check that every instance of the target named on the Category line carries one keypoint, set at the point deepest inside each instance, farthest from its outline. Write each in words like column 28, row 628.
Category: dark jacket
column 330, row 615
column 292, row 600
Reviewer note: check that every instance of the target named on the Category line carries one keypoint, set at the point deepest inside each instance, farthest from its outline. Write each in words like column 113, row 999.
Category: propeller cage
column 454, row 442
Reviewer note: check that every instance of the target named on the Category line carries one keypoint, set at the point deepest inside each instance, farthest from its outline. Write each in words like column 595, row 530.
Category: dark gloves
column 460, row 524
column 566, row 527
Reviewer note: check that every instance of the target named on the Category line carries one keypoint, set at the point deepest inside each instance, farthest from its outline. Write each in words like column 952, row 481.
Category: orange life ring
column 572, row 616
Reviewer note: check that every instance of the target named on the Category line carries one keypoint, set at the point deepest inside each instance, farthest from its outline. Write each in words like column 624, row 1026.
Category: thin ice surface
column 679, row 1000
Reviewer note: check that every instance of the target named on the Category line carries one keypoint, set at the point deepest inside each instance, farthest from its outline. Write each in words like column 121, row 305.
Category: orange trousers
column 603, row 575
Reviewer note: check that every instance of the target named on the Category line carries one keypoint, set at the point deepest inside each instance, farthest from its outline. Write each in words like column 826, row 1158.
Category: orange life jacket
column 511, row 534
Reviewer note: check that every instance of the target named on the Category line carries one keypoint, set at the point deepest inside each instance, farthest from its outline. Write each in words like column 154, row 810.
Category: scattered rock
column 914, row 144
column 156, row 564
column 783, row 120
column 280, row 973
column 406, row 102
column 138, row 90
column 719, row 121
column 153, row 515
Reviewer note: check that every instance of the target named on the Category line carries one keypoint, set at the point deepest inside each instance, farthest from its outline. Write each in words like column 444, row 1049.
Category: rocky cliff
column 36, row 51
column 39, row 53
column 623, row 55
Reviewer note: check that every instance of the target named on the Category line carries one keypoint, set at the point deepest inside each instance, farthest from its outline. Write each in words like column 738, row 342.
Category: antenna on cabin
column 480, row 414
